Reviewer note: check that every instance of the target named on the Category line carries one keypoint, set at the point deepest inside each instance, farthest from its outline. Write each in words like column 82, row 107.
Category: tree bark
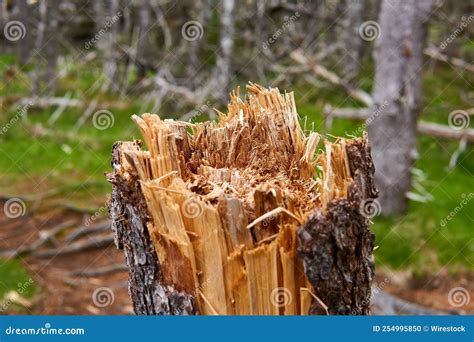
column 130, row 216
column 336, row 247
column 397, row 98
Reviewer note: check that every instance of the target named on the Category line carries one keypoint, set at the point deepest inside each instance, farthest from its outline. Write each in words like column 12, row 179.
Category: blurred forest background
column 73, row 72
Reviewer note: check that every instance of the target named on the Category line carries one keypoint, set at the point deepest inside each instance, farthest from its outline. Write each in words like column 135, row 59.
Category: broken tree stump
column 244, row 216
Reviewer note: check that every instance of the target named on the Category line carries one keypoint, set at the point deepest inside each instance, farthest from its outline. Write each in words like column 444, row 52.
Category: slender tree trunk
column 223, row 63
column 201, row 12
column 25, row 16
column 351, row 39
column 40, row 39
column 107, row 44
column 397, row 98
column 143, row 45
column 51, row 46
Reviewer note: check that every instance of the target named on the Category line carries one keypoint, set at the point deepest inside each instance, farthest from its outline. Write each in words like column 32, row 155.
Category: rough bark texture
column 397, row 98
column 336, row 246
column 130, row 216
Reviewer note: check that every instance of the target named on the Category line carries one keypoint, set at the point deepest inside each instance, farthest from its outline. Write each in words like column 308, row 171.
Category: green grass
column 417, row 240
column 13, row 277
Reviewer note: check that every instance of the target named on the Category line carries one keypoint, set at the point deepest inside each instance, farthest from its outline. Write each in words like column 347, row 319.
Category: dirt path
column 60, row 292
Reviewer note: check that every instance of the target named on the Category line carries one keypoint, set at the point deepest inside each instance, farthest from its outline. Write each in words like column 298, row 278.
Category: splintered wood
column 224, row 202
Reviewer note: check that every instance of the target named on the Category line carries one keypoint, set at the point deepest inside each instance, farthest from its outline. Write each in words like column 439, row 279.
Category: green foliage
column 14, row 277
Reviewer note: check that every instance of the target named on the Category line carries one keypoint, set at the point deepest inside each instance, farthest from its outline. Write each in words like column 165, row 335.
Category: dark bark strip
column 129, row 214
column 336, row 246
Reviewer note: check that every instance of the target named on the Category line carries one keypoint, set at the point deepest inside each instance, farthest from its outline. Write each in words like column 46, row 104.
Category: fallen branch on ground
column 386, row 304
column 427, row 128
column 436, row 53
column 100, row 271
column 332, row 78
column 87, row 230
column 44, row 237
column 78, row 246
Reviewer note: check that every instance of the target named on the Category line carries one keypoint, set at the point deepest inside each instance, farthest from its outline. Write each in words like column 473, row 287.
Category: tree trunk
column 26, row 17
column 351, row 39
column 397, row 98
column 107, row 14
column 51, row 47
column 211, row 226
column 226, row 43
column 143, row 53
